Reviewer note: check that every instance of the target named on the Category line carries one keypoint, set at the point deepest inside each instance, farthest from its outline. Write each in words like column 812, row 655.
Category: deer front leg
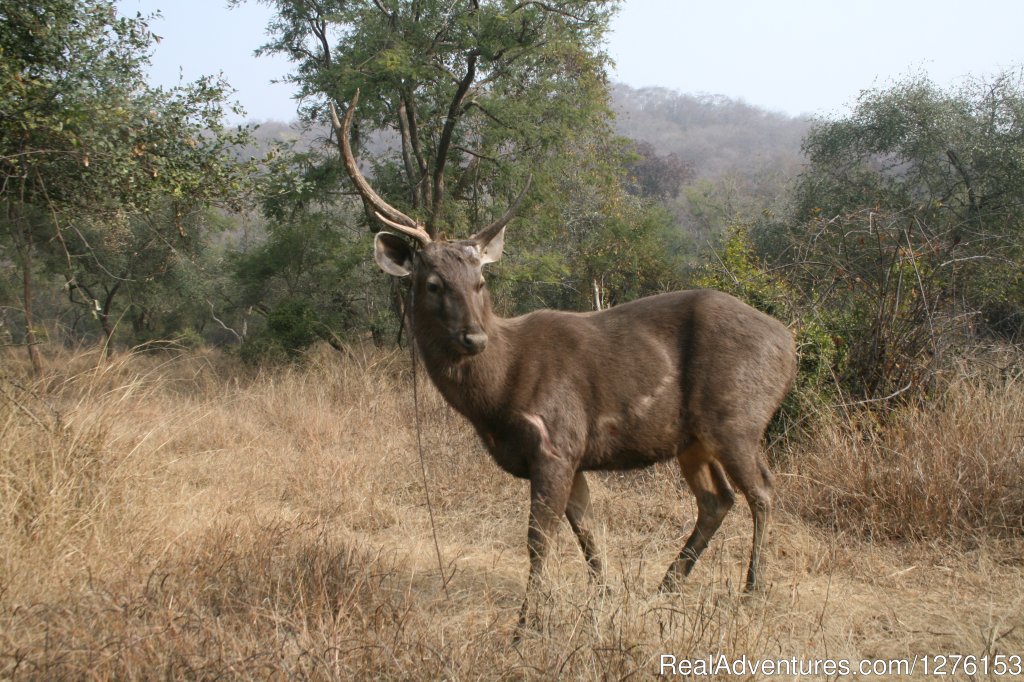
column 550, row 484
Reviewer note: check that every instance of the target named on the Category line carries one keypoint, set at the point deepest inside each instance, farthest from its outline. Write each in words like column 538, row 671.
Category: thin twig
column 423, row 463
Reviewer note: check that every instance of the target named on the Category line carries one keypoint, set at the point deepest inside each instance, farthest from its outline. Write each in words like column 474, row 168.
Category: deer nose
column 474, row 341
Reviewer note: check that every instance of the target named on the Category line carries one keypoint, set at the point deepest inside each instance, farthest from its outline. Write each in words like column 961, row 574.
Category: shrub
column 292, row 327
column 948, row 470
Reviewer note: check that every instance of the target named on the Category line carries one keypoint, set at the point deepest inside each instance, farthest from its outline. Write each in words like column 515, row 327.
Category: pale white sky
column 792, row 56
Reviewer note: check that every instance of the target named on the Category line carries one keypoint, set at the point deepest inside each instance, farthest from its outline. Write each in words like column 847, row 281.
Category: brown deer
column 694, row 375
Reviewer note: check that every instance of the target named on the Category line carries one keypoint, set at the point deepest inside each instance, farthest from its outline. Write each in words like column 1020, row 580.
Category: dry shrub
column 951, row 470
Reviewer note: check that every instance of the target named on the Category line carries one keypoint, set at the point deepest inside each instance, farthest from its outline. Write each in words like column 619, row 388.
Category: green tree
column 954, row 159
column 310, row 278
column 459, row 104
column 86, row 145
column 474, row 97
column 476, row 92
column 589, row 242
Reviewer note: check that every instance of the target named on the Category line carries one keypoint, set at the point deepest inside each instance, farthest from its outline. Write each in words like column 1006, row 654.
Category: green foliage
column 85, row 130
column 711, row 207
column 478, row 92
column 740, row 272
column 104, row 176
column 587, row 241
column 477, row 96
column 291, row 328
column 189, row 338
column 292, row 324
column 312, row 276
column 907, row 233
column 954, row 159
column 262, row 349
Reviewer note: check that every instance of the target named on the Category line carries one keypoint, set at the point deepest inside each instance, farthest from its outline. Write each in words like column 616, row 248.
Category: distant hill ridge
column 716, row 134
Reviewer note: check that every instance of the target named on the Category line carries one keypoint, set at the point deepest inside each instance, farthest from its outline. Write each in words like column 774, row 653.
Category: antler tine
column 417, row 232
column 488, row 232
column 394, row 218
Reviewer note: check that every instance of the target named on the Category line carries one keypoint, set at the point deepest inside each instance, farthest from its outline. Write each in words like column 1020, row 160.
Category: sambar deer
column 694, row 375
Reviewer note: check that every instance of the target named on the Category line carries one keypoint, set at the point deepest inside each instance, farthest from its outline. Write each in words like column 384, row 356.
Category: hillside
column 718, row 135
column 740, row 158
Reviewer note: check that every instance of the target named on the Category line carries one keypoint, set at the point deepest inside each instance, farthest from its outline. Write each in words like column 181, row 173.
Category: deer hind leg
column 715, row 498
column 576, row 512
column 742, row 461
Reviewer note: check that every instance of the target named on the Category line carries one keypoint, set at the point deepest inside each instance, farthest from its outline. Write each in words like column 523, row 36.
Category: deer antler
column 385, row 212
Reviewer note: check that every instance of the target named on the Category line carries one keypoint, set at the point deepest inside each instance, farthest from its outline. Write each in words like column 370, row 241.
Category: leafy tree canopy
column 477, row 91
column 459, row 103
column 954, row 160
column 86, row 146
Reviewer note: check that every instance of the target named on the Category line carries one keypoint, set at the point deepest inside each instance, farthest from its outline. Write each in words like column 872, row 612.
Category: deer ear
column 491, row 251
column 393, row 254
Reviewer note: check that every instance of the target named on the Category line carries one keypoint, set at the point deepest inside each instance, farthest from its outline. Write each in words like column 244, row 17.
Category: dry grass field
column 179, row 516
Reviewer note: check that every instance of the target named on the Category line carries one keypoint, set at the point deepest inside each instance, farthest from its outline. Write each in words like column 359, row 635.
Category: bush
column 292, row 327
column 886, row 287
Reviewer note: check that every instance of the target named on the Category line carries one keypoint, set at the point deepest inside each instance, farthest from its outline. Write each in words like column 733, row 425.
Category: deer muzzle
column 473, row 341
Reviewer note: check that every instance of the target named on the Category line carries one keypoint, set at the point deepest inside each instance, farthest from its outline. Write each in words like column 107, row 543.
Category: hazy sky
column 793, row 56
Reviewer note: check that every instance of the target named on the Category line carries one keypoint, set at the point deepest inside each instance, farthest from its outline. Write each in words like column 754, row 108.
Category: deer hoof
column 672, row 584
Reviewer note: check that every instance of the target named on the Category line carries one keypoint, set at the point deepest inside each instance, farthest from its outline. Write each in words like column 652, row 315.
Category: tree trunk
column 30, row 334
column 108, row 330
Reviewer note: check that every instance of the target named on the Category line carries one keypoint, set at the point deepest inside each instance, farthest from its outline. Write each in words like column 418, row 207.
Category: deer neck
column 472, row 384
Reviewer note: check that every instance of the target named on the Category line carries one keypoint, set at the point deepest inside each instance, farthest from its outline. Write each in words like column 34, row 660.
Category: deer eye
column 480, row 285
column 433, row 287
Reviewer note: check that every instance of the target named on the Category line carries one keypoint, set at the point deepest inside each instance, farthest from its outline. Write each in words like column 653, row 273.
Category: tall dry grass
column 181, row 516
column 951, row 471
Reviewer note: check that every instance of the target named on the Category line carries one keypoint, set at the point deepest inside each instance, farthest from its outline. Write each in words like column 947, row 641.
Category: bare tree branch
column 550, row 8
column 455, row 110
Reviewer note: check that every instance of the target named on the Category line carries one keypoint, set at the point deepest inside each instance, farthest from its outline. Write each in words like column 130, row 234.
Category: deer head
column 449, row 293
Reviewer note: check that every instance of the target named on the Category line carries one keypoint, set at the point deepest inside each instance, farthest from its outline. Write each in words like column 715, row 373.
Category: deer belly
column 647, row 433
column 629, row 456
